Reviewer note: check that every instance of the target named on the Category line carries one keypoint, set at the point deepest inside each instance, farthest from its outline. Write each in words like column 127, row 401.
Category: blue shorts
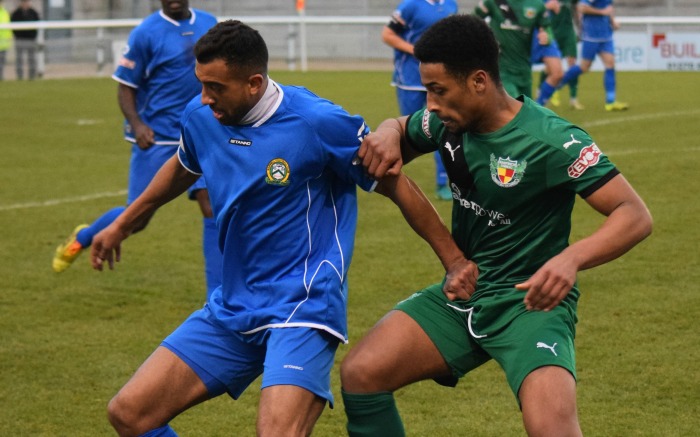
column 589, row 49
column 410, row 101
column 228, row 362
column 198, row 185
column 144, row 165
column 539, row 52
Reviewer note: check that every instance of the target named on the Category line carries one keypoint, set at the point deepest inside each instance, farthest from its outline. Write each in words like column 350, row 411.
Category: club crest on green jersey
column 506, row 172
column 277, row 172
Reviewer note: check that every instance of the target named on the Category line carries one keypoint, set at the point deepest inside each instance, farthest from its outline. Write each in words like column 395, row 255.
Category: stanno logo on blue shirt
column 237, row 142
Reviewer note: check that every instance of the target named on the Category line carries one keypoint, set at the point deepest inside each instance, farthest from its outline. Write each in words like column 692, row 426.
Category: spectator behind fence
column 25, row 40
column 5, row 38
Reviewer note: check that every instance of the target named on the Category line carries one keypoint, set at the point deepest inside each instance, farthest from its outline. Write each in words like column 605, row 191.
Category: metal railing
column 295, row 35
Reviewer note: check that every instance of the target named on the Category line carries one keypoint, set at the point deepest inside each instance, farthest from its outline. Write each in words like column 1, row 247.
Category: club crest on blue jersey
column 506, row 172
column 277, row 172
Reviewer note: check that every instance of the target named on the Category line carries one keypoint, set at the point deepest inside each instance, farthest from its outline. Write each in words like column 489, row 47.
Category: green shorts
column 567, row 41
column 496, row 325
column 517, row 83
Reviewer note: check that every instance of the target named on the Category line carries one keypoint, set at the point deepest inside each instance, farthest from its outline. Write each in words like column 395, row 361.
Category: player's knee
column 356, row 373
column 124, row 418
column 556, row 74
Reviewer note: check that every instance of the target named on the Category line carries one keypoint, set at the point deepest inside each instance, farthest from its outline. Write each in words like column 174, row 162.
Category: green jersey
column 513, row 23
column 514, row 189
column 563, row 28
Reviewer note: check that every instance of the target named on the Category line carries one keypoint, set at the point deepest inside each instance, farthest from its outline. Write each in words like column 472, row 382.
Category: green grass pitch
column 68, row 342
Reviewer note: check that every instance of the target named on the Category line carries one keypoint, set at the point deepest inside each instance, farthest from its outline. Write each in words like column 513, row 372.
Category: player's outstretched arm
column 171, row 180
column 628, row 222
column 426, row 222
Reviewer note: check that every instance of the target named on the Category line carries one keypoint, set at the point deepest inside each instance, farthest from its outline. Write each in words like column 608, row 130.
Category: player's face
column 230, row 96
column 176, row 9
column 452, row 100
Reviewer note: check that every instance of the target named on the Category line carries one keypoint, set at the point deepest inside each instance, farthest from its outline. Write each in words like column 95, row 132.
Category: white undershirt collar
column 268, row 104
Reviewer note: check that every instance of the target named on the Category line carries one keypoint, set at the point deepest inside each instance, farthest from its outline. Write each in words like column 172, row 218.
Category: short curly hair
column 463, row 44
column 235, row 42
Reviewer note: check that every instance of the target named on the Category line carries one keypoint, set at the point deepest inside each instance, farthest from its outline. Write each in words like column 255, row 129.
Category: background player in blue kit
column 597, row 27
column 156, row 80
column 408, row 22
column 282, row 179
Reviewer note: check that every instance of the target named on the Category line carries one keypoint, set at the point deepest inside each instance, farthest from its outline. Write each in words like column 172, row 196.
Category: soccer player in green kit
column 565, row 34
column 515, row 23
column 515, row 169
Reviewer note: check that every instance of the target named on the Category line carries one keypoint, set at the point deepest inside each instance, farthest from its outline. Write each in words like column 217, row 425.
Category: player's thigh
column 607, row 56
column 393, row 354
column 162, row 387
column 589, row 50
column 225, row 361
column 523, row 341
column 425, row 337
column 301, row 357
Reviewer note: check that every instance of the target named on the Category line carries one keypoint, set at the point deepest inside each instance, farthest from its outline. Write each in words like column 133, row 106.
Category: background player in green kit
column 515, row 23
column 515, row 169
column 563, row 26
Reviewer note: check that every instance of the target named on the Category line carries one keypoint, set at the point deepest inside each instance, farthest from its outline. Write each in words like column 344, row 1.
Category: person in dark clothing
column 25, row 40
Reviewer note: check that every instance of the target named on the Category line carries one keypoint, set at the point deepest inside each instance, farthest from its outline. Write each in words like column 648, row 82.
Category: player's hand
column 380, row 153
column 460, row 281
column 550, row 284
column 144, row 136
column 106, row 247
column 543, row 37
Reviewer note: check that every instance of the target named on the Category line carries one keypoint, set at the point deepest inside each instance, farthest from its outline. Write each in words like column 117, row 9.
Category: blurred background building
column 356, row 43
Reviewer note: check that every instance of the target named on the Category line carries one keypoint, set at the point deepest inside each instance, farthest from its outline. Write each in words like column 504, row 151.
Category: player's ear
column 255, row 83
column 479, row 80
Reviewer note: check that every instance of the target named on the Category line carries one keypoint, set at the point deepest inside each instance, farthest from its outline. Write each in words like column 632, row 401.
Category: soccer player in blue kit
column 281, row 168
column 156, row 80
column 597, row 27
column 408, row 22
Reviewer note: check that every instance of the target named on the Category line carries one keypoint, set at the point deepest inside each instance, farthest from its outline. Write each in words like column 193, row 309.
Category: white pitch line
column 641, row 117
column 594, row 123
column 648, row 152
column 62, row 201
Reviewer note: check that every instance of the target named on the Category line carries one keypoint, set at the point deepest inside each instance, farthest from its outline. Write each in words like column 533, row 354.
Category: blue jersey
column 418, row 16
column 159, row 62
column 596, row 28
column 283, row 192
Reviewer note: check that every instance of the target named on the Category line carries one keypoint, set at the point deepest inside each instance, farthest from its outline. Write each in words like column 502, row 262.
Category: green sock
column 372, row 415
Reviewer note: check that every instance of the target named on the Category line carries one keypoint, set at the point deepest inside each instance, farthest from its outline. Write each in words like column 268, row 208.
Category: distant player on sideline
column 408, row 22
column 156, row 80
column 597, row 28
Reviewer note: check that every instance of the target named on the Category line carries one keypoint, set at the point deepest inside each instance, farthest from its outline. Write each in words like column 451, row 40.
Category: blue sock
column 163, row 431
column 213, row 263
column 609, row 84
column 440, row 172
column 546, row 91
column 571, row 74
column 86, row 235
